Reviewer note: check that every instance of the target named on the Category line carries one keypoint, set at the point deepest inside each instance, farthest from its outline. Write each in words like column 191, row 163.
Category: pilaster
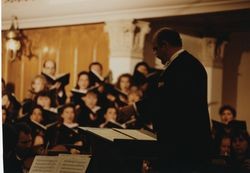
column 126, row 44
column 212, row 58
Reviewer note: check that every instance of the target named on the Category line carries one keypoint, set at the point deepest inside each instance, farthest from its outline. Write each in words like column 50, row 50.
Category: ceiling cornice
column 103, row 15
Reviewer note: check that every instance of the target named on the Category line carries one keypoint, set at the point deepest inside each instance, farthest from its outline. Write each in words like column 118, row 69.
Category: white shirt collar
column 173, row 57
column 73, row 125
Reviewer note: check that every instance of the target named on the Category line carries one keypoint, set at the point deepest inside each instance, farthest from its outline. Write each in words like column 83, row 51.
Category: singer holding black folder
column 178, row 107
column 49, row 68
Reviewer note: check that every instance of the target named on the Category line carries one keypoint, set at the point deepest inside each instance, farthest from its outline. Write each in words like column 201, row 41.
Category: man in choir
column 181, row 99
column 89, row 113
column 49, row 68
column 97, row 67
column 15, row 161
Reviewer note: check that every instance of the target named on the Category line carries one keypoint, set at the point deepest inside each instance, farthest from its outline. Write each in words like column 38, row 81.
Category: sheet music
column 71, row 163
column 64, row 163
column 107, row 133
column 136, row 134
column 42, row 164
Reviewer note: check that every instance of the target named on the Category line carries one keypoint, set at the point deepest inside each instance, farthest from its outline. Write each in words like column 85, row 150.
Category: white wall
column 243, row 89
column 229, row 85
column 236, row 76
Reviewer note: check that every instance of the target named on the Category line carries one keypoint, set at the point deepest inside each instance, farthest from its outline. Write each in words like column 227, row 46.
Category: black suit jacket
column 179, row 111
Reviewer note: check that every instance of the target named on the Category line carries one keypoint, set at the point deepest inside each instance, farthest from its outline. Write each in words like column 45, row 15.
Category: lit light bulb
column 12, row 44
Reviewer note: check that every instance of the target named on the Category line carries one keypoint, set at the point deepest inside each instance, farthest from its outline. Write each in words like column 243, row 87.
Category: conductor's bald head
column 168, row 35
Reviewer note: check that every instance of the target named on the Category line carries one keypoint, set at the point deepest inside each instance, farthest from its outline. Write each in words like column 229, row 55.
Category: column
column 126, row 44
column 212, row 56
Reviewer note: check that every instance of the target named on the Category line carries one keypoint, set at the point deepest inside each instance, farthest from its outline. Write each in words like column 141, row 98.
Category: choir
column 47, row 120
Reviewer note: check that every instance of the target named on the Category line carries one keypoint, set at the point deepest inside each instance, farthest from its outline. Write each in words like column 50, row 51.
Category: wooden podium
column 119, row 150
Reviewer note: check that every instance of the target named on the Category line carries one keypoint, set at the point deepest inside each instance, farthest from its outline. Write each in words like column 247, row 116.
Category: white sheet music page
column 107, row 133
column 136, row 134
column 72, row 163
column 42, row 164
column 64, row 163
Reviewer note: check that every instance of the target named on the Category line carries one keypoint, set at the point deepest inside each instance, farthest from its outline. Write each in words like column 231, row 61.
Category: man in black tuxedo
column 178, row 107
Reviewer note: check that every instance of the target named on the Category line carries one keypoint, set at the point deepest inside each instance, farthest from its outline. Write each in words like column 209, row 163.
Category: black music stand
column 119, row 150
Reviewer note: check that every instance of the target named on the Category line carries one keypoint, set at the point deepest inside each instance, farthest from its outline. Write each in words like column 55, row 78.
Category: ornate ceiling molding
column 14, row 1
column 68, row 15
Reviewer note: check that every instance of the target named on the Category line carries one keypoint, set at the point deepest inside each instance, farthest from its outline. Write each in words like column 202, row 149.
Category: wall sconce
column 13, row 43
column 17, row 44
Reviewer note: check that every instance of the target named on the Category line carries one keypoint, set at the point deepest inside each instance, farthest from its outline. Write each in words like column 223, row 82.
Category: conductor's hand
column 126, row 112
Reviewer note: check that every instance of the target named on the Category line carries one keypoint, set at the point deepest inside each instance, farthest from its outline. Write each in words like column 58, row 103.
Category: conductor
column 178, row 107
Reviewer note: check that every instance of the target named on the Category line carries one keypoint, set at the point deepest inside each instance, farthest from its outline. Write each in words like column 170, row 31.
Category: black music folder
column 234, row 124
column 50, row 115
column 62, row 78
column 140, row 79
column 81, row 93
column 111, row 89
column 95, row 77
column 78, row 93
column 43, row 127
column 114, row 124
column 220, row 129
column 117, row 125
